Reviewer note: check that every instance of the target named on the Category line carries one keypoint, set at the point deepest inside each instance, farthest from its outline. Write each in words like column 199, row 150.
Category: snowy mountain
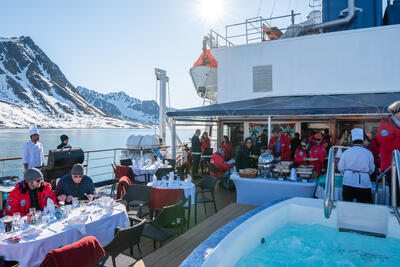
column 34, row 90
column 121, row 105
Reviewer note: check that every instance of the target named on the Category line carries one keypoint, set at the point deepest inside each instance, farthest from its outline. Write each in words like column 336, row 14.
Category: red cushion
column 161, row 197
column 123, row 184
column 122, row 171
column 84, row 253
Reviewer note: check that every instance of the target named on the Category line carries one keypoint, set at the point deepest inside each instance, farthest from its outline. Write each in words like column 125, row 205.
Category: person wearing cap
column 279, row 144
column 32, row 151
column 317, row 154
column 220, row 169
column 75, row 185
column 357, row 164
column 64, row 142
column 32, row 192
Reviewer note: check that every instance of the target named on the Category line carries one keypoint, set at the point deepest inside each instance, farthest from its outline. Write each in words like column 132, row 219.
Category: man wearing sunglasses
column 30, row 193
column 75, row 185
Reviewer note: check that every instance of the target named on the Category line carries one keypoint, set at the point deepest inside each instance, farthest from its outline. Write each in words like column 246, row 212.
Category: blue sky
column 114, row 45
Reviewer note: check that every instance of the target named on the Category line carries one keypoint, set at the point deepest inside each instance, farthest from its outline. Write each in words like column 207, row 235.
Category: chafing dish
column 305, row 171
column 266, row 164
column 282, row 168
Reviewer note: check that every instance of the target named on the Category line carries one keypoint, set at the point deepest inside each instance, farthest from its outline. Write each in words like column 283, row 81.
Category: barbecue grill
column 60, row 162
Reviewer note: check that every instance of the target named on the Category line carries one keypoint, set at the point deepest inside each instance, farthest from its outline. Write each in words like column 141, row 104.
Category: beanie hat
column 77, row 169
column 63, row 137
column 32, row 174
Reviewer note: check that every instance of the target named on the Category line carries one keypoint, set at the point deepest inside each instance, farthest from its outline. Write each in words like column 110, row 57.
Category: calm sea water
column 12, row 140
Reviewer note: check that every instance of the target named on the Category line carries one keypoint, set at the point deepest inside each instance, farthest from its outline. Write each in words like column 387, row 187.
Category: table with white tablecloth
column 148, row 171
column 32, row 250
column 188, row 187
column 260, row 191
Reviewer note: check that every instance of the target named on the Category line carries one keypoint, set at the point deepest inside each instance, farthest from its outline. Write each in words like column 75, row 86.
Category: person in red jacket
column 280, row 145
column 373, row 146
column 30, row 193
column 227, row 146
column 317, row 154
column 218, row 159
column 205, row 144
column 388, row 137
column 302, row 153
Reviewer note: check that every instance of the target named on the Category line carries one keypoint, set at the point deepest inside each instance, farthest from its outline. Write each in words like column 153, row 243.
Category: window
column 262, row 78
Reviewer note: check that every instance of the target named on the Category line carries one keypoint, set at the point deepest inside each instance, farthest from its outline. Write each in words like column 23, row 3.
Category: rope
column 273, row 7
column 155, row 110
column 259, row 7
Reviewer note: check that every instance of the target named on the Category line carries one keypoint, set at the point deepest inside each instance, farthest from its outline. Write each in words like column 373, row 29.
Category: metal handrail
column 329, row 197
column 329, row 184
column 381, row 178
column 395, row 174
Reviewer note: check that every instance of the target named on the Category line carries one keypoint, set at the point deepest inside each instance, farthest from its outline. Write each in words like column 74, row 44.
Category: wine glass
column 74, row 202
column 17, row 221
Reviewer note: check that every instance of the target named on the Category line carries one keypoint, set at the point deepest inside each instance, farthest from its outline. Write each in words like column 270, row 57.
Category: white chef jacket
column 33, row 154
column 356, row 164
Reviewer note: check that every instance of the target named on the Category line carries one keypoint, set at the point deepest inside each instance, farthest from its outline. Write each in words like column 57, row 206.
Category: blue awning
column 343, row 104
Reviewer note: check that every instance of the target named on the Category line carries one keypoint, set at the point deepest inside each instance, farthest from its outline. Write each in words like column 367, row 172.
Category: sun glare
column 211, row 11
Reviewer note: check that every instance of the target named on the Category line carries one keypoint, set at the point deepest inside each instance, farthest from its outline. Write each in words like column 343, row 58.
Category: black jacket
column 244, row 160
column 196, row 145
column 67, row 187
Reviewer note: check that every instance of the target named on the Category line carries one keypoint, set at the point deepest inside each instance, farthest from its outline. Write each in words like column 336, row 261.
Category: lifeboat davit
column 204, row 74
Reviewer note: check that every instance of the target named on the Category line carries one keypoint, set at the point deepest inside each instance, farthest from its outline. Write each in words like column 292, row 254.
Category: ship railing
column 394, row 182
column 329, row 196
column 381, row 179
column 97, row 162
column 250, row 31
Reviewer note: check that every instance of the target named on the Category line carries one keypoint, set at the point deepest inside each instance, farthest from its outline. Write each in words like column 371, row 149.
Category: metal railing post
column 2, row 168
column 292, row 14
column 393, row 203
column 384, row 190
column 87, row 162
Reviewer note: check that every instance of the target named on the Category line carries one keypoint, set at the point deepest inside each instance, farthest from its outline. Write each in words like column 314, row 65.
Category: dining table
column 35, row 241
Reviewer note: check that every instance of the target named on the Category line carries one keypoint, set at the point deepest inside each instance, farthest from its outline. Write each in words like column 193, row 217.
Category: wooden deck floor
column 168, row 255
column 178, row 249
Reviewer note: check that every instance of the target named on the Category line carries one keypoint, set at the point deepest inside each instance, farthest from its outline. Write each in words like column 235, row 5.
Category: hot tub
column 295, row 232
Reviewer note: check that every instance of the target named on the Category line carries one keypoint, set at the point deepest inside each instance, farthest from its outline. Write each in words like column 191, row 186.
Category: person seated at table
column 302, row 152
column 247, row 156
column 32, row 192
column 221, row 168
column 357, row 164
column 75, row 185
column 317, row 154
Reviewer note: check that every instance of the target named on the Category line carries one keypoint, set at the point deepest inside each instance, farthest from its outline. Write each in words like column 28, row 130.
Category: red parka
column 220, row 165
column 300, row 156
column 318, row 152
column 284, row 147
column 388, row 137
column 227, row 148
column 205, row 143
column 374, row 148
column 19, row 200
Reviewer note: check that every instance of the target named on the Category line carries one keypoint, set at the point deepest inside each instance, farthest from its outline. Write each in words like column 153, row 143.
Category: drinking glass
column 8, row 224
column 74, row 202
column 17, row 221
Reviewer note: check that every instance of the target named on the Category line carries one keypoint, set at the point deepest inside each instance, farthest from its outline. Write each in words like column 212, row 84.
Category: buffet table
column 259, row 191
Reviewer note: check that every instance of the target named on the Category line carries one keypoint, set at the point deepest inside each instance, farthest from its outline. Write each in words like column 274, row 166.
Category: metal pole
column 383, row 190
column 292, row 14
column 162, row 77
column 332, row 180
column 173, row 139
column 394, row 182
column 87, row 162
column 2, row 168
column 269, row 129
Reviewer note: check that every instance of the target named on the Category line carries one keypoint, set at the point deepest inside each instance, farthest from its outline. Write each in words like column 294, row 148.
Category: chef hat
column 33, row 130
column 357, row 134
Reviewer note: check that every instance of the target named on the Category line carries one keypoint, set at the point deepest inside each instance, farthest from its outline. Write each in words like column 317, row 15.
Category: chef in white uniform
column 32, row 151
column 357, row 164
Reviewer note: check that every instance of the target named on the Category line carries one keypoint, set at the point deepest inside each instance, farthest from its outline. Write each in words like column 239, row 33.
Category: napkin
column 154, row 179
column 51, row 207
column 171, row 177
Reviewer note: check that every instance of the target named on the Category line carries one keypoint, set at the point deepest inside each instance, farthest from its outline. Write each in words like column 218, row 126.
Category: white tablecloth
column 259, row 191
column 146, row 170
column 188, row 187
column 31, row 252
